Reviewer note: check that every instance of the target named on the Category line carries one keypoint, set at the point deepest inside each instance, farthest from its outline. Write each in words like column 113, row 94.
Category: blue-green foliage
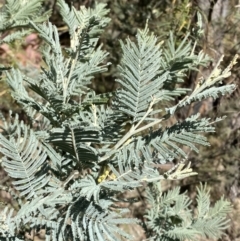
column 171, row 217
column 80, row 149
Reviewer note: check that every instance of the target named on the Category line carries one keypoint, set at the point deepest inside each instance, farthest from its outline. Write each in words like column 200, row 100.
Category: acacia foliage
column 73, row 158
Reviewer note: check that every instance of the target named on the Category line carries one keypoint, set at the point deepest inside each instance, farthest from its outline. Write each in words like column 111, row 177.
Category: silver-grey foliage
column 76, row 154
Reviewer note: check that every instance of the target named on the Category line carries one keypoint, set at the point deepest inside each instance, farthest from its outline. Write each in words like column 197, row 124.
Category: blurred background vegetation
column 219, row 164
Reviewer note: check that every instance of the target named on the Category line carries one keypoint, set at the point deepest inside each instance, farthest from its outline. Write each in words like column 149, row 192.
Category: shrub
column 80, row 150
